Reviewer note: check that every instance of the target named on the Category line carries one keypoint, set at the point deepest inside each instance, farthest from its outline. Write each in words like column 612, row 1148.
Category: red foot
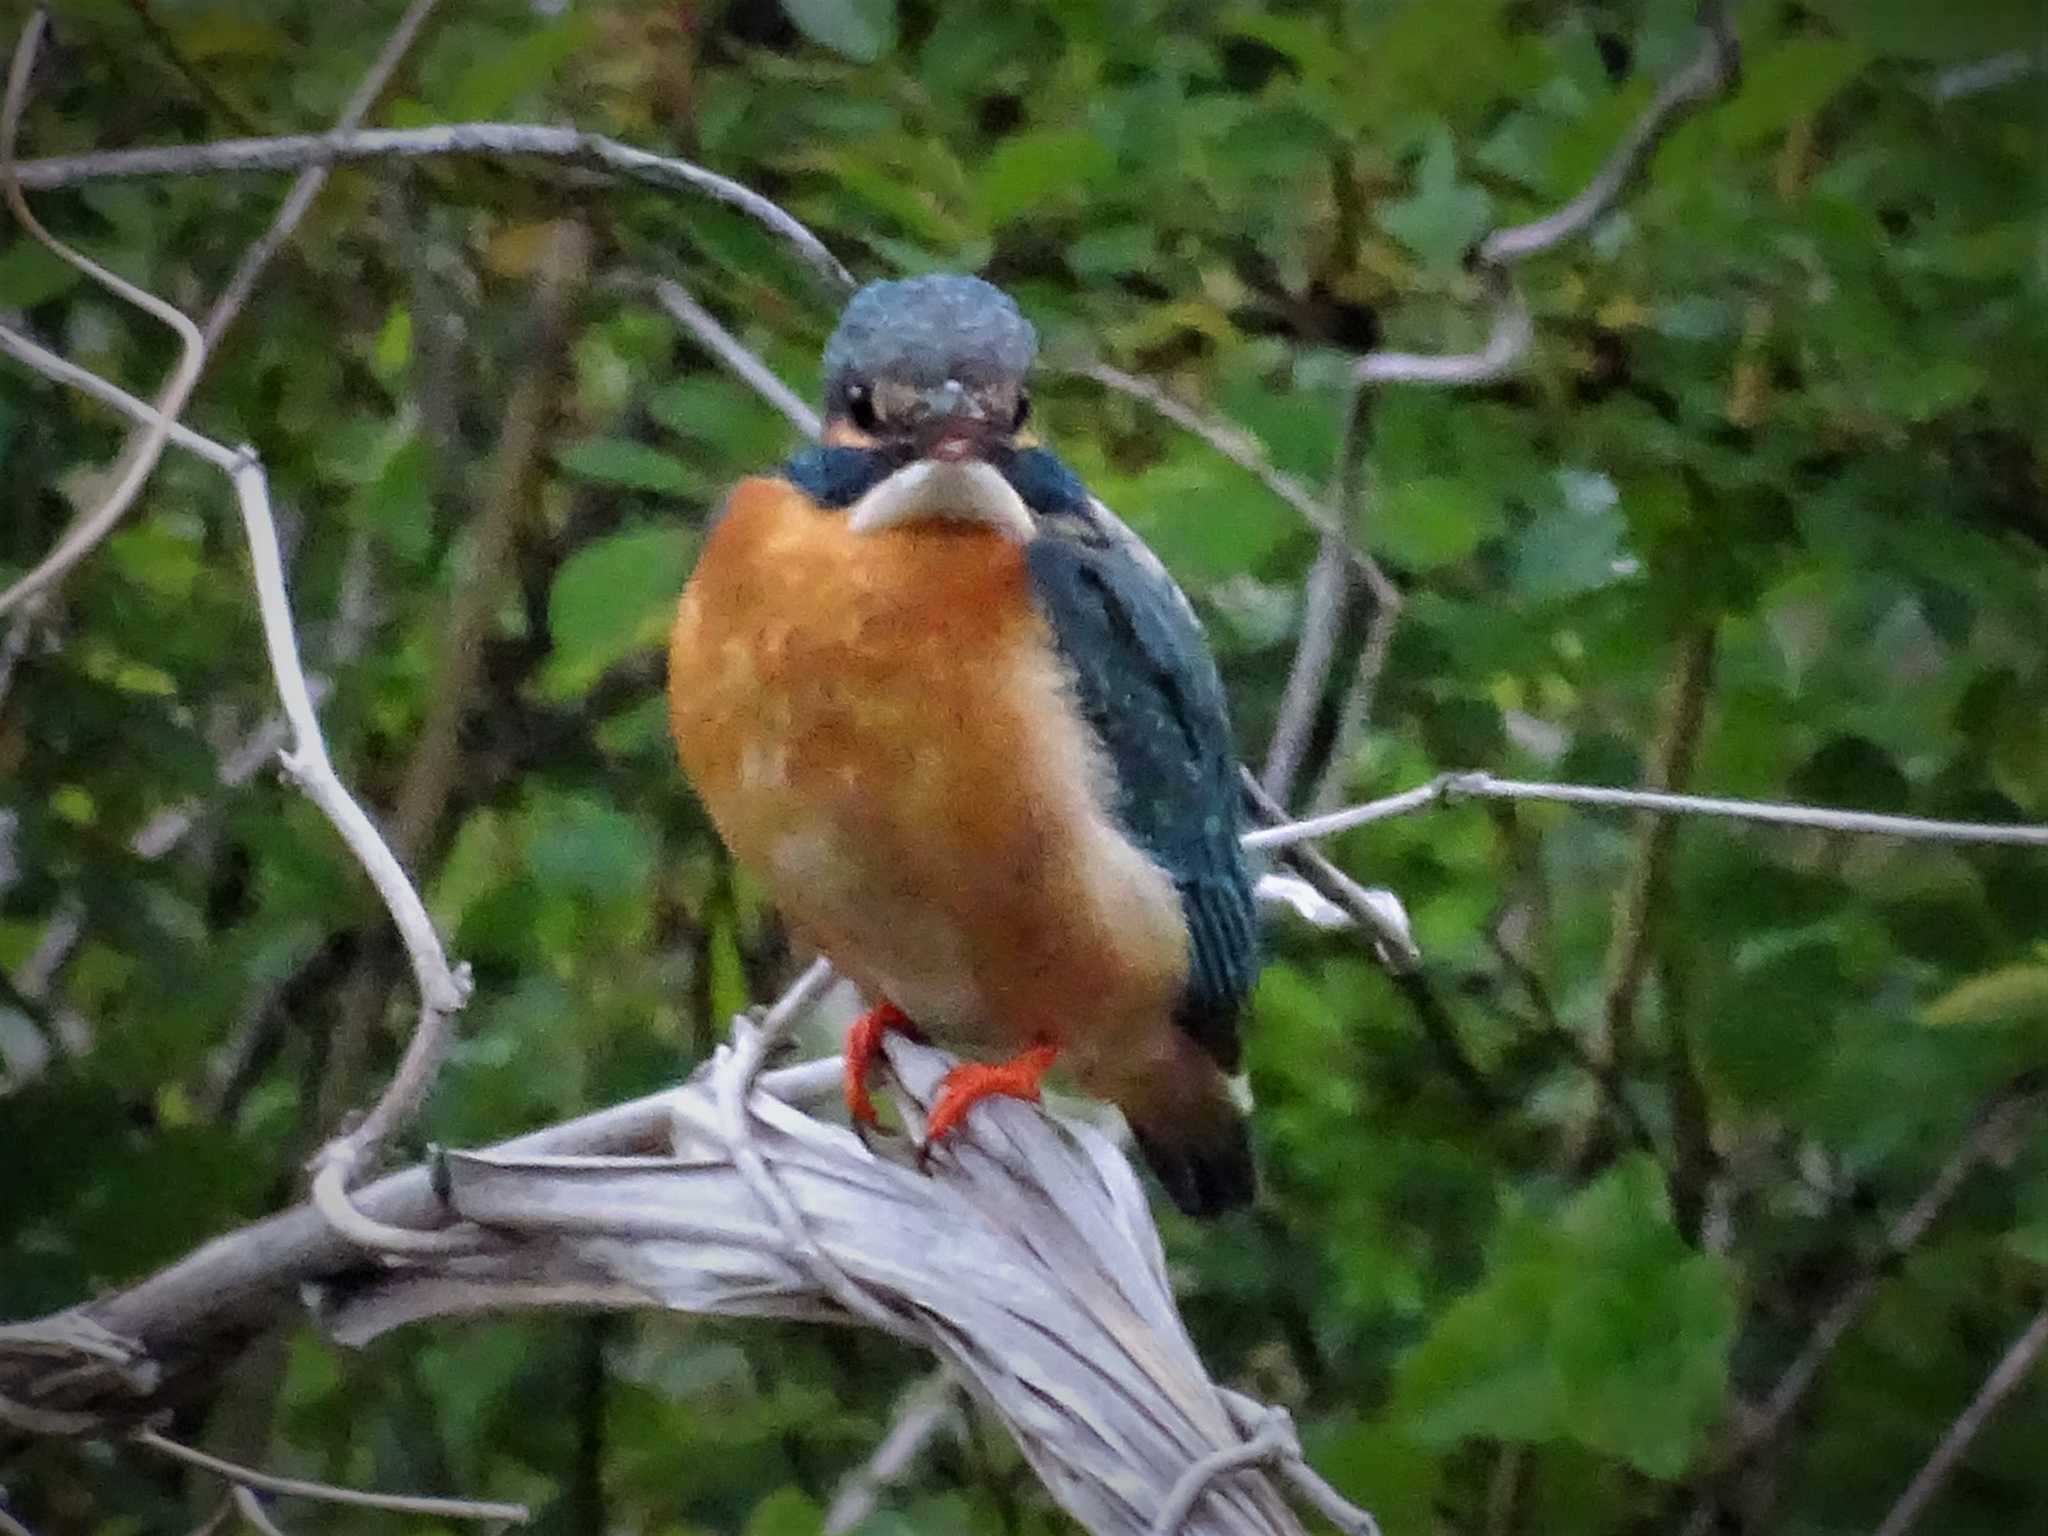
column 971, row 1082
column 863, row 1045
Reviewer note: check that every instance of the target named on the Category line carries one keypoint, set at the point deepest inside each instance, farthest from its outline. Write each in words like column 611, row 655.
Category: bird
column 966, row 729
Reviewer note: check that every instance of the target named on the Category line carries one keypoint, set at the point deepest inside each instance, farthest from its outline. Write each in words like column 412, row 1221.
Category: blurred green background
column 1782, row 431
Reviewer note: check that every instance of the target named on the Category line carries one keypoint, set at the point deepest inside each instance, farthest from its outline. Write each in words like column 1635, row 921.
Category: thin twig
column 729, row 350
column 1641, row 894
column 1710, row 72
column 926, row 1410
column 1247, row 453
column 193, row 75
column 1325, row 597
column 327, row 1493
column 1449, row 788
column 140, row 454
column 1273, row 1441
column 1993, row 1130
column 253, row 1514
column 2010, row 1371
column 298, row 151
column 313, row 178
column 1378, row 911
column 1507, row 343
column 39, row 359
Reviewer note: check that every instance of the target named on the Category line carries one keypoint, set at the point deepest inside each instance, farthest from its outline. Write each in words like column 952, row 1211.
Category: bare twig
column 1449, row 788
column 926, row 1411
column 298, row 151
column 1246, row 452
column 1642, row 892
column 749, row 1052
column 1710, row 72
column 38, row 359
column 1325, row 595
column 509, row 504
column 1377, row 911
column 1993, row 1130
column 442, row 989
column 313, row 178
column 327, row 1493
column 253, row 1514
column 1507, row 343
column 727, row 348
column 2010, row 1371
column 139, row 456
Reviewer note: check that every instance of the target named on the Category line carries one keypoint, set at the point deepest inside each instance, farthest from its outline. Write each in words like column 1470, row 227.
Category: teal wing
column 1149, row 690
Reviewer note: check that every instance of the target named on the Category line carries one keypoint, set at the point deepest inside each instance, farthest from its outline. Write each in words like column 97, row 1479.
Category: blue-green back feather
column 1148, row 689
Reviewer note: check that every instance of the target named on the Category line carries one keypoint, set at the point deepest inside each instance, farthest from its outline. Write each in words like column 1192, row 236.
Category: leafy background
column 1783, row 418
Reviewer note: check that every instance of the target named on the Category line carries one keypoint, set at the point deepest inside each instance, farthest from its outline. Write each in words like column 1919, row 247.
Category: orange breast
column 879, row 727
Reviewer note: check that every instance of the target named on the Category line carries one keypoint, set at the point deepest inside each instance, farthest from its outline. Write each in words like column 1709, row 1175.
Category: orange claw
column 971, row 1082
column 863, row 1045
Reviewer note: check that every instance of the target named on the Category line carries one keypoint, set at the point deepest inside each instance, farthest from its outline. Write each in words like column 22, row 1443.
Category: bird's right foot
column 863, row 1045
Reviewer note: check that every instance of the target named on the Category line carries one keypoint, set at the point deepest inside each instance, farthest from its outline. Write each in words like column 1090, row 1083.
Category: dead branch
column 591, row 151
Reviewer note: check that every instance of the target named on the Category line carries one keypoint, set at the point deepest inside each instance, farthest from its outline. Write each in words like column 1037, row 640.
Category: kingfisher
column 965, row 728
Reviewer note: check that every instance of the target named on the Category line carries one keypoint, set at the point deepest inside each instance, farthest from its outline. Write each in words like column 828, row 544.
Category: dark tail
column 1206, row 1165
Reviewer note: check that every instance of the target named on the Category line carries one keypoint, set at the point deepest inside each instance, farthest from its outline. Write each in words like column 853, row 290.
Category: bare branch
column 589, row 150
column 250, row 269
column 1506, row 345
column 728, row 349
column 1246, row 452
column 926, row 1410
column 1711, row 72
column 140, row 454
column 1325, row 595
column 1993, row 1130
column 253, row 1514
column 1450, row 788
column 2010, row 1371
column 1641, row 893
column 327, row 1493
column 38, row 359
column 1379, row 912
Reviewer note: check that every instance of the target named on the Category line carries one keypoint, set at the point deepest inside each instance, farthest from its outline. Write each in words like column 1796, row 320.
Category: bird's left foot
column 972, row 1081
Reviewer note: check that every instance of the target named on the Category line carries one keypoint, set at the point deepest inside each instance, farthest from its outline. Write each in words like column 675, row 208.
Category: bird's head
column 930, row 372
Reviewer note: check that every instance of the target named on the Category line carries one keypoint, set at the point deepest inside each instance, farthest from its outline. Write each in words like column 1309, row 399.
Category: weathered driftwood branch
column 1027, row 1261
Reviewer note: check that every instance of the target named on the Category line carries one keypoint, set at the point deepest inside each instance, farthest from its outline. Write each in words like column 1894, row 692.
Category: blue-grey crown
column 926, row 330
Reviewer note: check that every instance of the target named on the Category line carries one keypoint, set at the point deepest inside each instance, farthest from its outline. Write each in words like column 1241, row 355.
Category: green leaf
column 2016, row 994
column 609, row 599
column 861, row 30
column 1599, row 1325
column 786, row 1512
column 1791, row 81
column 30, row 275
column 622, row 462
column 1443, row 216
column 1028, row 170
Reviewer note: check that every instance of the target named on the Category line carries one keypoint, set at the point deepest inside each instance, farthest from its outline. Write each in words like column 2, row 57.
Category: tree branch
column 568, row 145
column 1450, row 788
column 2005, row 1377
column 299, row 1488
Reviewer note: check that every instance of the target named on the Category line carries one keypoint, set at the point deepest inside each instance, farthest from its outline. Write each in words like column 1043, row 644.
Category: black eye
column 1023, row 410
column 860, row 405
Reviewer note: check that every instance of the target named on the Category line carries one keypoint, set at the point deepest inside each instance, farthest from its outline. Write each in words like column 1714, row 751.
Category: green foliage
column 1791, row 390
column 1595, row 1323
